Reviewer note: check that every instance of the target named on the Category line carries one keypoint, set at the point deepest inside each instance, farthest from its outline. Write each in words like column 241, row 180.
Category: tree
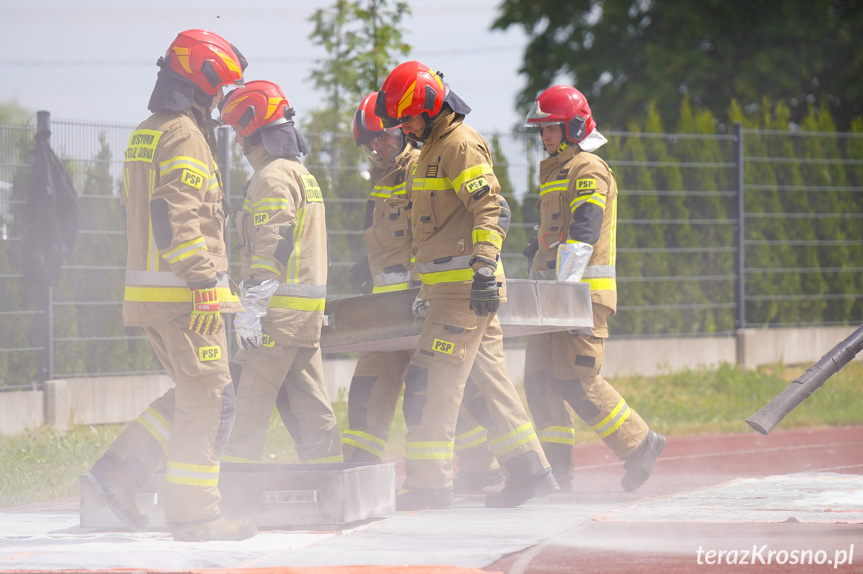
column 624, row 54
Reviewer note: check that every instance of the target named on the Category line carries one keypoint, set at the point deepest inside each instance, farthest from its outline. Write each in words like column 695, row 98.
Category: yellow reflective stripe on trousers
column 192, row 474
column 364, row 441
column 487, row 235
column 184, row 250
column 613, row 421
column 296, row 303
column 429, row 450
column 513, row 439
column 229, row 458
column 559, row 435
column 474, row 437
column 156, row 425
column 171, row 294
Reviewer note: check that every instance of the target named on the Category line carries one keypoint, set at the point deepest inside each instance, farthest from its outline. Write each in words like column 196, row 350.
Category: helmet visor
column 536, row 117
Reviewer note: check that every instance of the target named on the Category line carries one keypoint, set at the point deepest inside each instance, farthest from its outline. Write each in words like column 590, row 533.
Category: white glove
column 247, row 325
column 419, row 308
column 572, row 259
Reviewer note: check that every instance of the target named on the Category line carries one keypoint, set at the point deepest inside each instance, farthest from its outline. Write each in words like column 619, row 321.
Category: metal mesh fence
column 701, row 250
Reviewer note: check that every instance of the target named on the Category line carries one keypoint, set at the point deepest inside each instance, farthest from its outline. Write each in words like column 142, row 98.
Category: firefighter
column 282, row 242
column 459, row 221
column 379, row 376
column 576, row 242
column 176, row 289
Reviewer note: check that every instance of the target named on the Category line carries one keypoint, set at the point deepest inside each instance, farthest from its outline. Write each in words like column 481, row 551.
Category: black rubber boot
column 527, row 479
column 119, row 490
column 422, row 498
column 560, row 458
column 467, row 481
column 639, row 464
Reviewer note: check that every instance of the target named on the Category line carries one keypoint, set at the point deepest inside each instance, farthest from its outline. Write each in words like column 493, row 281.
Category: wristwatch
column 486, row 271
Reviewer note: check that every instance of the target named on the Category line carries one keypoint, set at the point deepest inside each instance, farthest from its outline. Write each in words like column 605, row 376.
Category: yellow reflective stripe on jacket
column 293, row 266
column 271, row 204
column 452, row 276
column 601, row 283
column 594, row 198
column 556, row 185
column 555, row 434
column 264, row 263
column 192, row 474
column 185, row 162
column 296, row 303
column 388, row 191
column 364, row 441
column 184, row 250
column 612, row 234
column 474, row 437
column 431, row 184
column 171, row 294
column 333, row 458
column 513, row 439
column 156, row 425
column 613, row 421
column 429, row 450
column 487, row 235
column 390, row 288
column 471, row 173
column 152, row 251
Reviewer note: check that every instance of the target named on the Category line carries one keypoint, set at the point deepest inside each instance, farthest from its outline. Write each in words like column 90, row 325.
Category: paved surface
column 790, row 501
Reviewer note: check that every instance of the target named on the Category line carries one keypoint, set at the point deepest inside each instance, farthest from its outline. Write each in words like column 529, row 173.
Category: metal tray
column 309, row 496
column 383, row 321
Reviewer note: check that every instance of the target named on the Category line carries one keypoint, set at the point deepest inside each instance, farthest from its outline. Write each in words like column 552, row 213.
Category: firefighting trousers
column 372, row 400
column 561, row 376
column 263, row 373
column 184, row 429
column 453, row 341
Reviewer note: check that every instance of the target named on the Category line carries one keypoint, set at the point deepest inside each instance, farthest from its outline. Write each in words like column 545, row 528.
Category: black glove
column 530, row 251
column 361, row 277
column 484, row 295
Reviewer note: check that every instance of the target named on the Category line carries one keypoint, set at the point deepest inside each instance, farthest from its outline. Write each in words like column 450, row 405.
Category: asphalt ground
column 791, row 501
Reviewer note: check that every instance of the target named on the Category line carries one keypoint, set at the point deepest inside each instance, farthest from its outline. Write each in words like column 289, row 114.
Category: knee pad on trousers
column 573, row 392
column 229, row 414
column 358, row 397
column 534, row 391
column 416, row 382
column 289, row 419
column 236, row 370
column 476, row 405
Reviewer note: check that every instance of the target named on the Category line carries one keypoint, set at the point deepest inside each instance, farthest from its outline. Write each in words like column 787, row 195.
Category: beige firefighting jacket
column 577, row 185
column 283, row 235
column 458, row 217
column 175, row 220
column 386, row 231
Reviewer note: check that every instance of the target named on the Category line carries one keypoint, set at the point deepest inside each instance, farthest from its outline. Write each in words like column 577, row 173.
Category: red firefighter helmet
column 409, row 90
column 562, row 105
column 206, row 60
column 367, row 125
column 259, row 104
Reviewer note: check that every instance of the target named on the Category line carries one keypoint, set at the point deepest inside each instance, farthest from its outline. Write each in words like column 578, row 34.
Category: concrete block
column 101, row 400
column 648, row 357
column 788, row 345
column 58, row 411
column 20, row 411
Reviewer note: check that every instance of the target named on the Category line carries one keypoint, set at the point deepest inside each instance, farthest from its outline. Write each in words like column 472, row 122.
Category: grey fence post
column 740, row 292
column 226, row 141
column 46, row 370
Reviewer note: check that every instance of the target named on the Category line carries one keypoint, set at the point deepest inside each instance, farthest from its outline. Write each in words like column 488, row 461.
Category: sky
column 95, row 59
